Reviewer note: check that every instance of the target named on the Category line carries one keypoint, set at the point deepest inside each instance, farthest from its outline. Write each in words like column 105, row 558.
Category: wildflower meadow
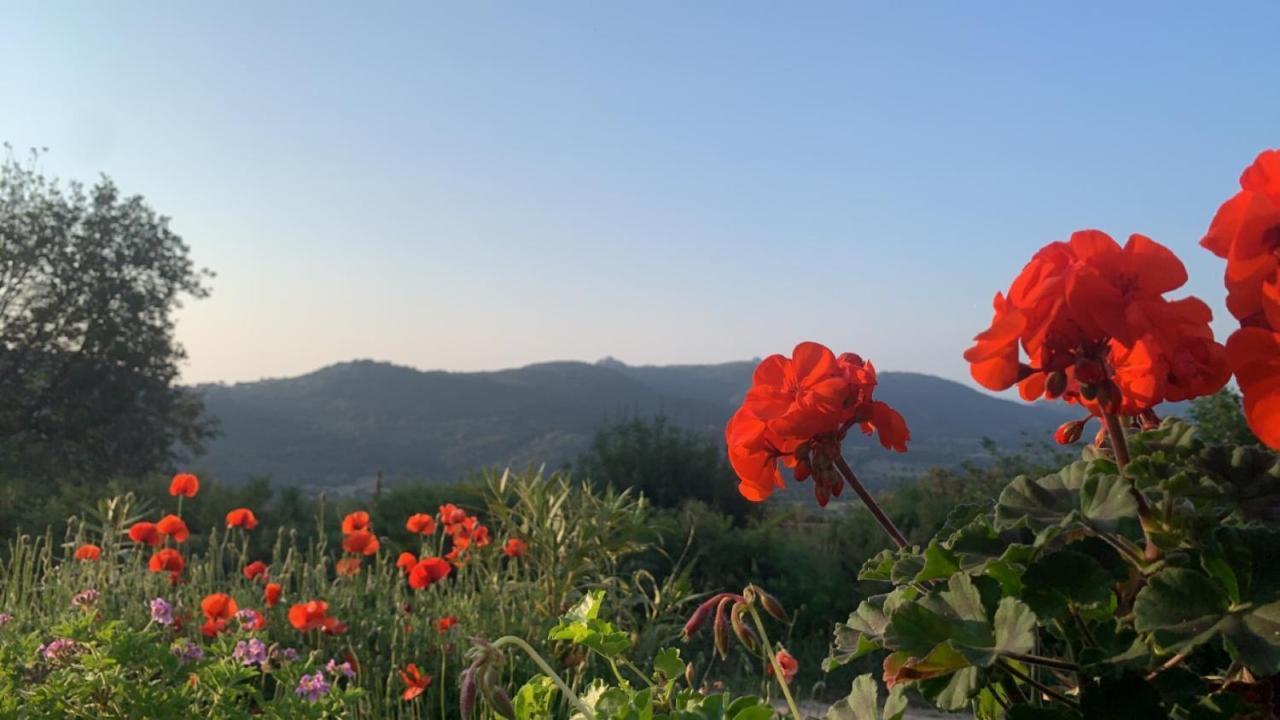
column 1140, row 579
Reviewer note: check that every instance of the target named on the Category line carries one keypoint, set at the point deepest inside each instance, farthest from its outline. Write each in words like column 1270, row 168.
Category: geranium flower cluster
column 797, row 413
column 1246, row 233
column 1087, row 321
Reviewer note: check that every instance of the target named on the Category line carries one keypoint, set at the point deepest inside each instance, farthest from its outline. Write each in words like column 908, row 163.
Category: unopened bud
column 688, row 673
column 744, row 633
column 699, row 616
column 1055, row 385
column 501, row 703
column 722, row 628
column 1089, row 391
column 467, row 692
column 1100, row 439
column 771, row 605
column 1148, row 420
column 1069, row 432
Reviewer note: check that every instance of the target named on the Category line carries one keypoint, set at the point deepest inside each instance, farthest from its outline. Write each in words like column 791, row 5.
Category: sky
column 482, row 185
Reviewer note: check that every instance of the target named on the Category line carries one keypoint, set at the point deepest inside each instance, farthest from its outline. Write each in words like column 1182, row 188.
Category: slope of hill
column 337, row 426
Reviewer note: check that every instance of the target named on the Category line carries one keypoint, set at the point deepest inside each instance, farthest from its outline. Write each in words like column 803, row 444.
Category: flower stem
column 1045, row 661
column 1120, row 446
column 773, row 661
column 892, row 530
column 1007, row 667
column 542, row 665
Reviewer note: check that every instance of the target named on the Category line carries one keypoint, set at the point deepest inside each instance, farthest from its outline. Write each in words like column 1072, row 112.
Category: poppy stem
column 892, row 530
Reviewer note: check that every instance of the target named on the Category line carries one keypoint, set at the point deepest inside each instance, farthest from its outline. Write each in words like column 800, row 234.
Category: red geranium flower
column 428, row 571
column 1246, row 232
column 271, row 594
column 515, row 547
column 421, row 524
column 242, row 518
column 415, row 681
column 255, row 570
column 167, row 560
column 1255, row 356
column 174, row 527
column 146, row 533
column 88, row 552
column 355, row 522
column 360, row 542
column 184, row 484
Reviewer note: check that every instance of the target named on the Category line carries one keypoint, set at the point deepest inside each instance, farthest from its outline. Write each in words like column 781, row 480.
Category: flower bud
column 744, row 633
column 699, row 616
column 688, row 673
column 501, row 703
column 1090, row 371
column 1148, row 420
column 1089, row 391
column 1055, row 385
column 771, row 605
column 1069, row 432
column 1100, row 439
column 467, row 692
column 722, row 628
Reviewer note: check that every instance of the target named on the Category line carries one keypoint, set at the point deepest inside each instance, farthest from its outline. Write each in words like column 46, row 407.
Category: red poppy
column 515, row 547
column 271, row 594
column 421, row 524
column 184, row 484
column 146, row 533
column 406, row 561
column 211, row 628
column 480, row 536
column 790, row 666
column 451, row 514
column 415, row 681
column 1254, row 354
column 174, row 527
column 355, row 522
column 219, row 606
column 167, row 560
column 348, row 567
column 446, row 622
column 242, row 518
column 360, row 542
column 256, row 570
column 428, row 571
column 314, row 615
column 88, row 552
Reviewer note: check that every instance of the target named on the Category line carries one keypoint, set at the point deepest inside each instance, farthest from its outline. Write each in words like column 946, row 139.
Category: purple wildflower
column 161, row 612
column 187, row 651
column 86, row 597
column 5, row 619
column 311, row 687
column 284, row 655
column 250, row 652
column 334, row 669
column 58, row 650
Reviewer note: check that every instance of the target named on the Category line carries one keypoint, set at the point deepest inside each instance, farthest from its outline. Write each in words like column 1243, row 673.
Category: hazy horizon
column 480, row 187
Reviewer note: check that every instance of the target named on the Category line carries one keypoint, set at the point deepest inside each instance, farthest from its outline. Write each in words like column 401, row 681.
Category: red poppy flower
column 219, row 606
column 271, row 594
column 167, row 560
column 1254, row 354
column 348, row 567
column 355, row 522
column 146, row 533
column 184, row 484
column 480, row 536
column 421, row 524
column 406, row 561
column 515, row 547
column 88, row 552
column 446, row 622
column 428, row 571
column 415, row 681
column 256, row 570
column 313, row 615
column 174, row 527
column 211, row 628
column 790, row 666
column 242, row 518
column 360, row 542
column 451, row 514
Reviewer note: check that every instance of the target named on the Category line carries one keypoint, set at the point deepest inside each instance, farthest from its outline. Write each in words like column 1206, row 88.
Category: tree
column 1220, row 419
column 89, row 281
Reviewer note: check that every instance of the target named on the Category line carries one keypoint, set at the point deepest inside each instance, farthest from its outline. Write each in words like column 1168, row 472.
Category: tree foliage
column 89, row 281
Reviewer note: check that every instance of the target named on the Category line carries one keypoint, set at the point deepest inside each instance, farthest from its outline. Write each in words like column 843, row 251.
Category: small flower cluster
column 85, row 598
column 358, row 540
column 312, row 687
column 59, row 650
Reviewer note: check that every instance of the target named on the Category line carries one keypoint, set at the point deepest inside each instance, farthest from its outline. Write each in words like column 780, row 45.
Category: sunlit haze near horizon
column 485, row 185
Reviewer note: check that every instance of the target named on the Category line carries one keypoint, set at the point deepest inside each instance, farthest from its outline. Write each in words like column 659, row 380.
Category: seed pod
column 722, row 628
column 744, row 633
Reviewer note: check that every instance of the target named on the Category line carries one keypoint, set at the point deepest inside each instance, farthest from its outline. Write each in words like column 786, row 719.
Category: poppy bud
column 722, row 628
column 699, row 617
column 1069, row 432
column 1055, row 385
column 744, row 633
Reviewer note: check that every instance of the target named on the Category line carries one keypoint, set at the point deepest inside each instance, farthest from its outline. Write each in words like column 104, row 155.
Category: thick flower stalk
column 797, row 414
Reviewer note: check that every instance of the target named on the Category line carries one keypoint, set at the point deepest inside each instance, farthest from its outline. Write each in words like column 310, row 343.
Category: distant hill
column 337, row 426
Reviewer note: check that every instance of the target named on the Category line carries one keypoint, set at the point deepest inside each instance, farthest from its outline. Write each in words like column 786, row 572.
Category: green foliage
column 1219, row 419
column 1092, row 592
column 89, row 281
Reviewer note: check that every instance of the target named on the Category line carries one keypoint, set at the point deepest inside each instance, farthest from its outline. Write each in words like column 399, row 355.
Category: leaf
column 1080, row 493
column 533, row 699
column 939, row 563
column 954, row 691
column 582, row 626
column 1060, row 578
column 863, row 702
column 668, row 664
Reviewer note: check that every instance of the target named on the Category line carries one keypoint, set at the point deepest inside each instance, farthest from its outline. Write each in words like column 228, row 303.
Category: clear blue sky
column 482, row 185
